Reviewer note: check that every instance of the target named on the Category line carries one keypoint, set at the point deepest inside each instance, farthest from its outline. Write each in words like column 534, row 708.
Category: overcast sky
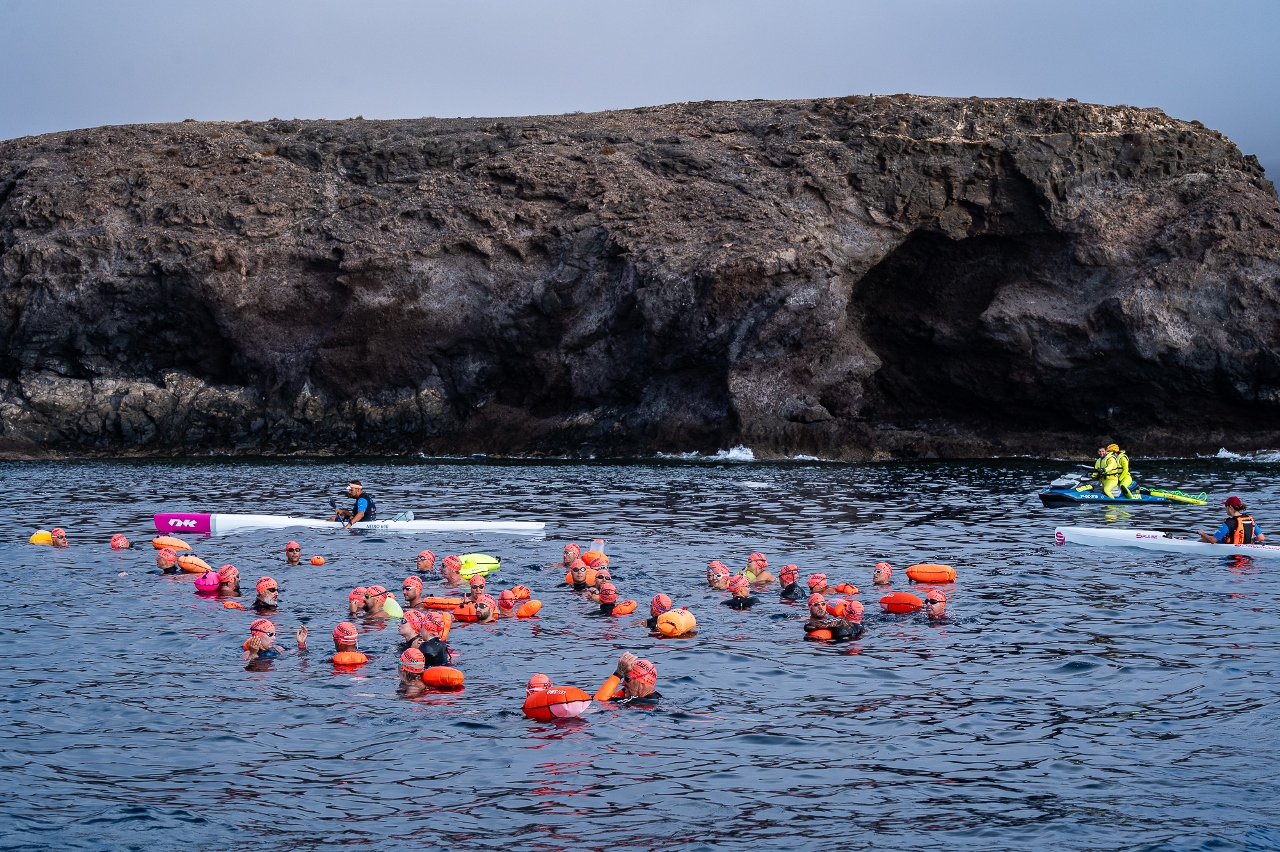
column 67, row 64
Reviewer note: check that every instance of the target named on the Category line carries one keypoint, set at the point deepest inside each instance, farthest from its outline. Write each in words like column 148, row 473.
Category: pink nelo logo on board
column 1059, row 538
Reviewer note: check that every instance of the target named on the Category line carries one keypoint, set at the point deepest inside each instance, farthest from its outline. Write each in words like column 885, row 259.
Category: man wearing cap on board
column 362, row 510
column 1238, row 528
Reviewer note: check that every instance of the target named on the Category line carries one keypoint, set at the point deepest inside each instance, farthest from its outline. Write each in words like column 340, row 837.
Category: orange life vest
column 1241, row 531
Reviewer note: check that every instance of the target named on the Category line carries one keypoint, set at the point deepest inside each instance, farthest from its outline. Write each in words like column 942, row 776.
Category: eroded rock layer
column 849, row 278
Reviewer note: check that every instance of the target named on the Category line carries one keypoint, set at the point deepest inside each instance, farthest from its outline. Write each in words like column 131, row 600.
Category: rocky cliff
column 851, row 277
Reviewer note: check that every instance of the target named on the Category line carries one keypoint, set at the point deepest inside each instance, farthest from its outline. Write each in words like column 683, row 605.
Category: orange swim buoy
column 522, row 593
column 317, row 560
column 591, row 555
column 590, row 578
column 160, row 542
column 929, row 573
column 900, row 602
column 232, row 605
column 443, row 677
column 448, row 623
column 467, row 612
column 440, row 603
column 624, row 608
column 556, row 702
column 528, row 609
column 820, row 635
column 676, row 622
column 193, row 564
column 349, row 658
column 847, row 588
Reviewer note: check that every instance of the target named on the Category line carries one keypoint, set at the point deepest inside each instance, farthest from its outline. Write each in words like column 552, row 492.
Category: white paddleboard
column 1155, row 540
column 213, row 524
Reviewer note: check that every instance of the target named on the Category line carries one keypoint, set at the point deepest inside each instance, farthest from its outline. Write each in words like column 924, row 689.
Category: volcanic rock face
column 848, row 278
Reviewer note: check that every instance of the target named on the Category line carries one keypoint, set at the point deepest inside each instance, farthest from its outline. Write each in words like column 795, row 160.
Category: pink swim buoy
column 208, row 582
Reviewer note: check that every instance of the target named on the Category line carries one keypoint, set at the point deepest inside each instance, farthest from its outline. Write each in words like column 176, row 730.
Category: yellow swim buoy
column 41, row 537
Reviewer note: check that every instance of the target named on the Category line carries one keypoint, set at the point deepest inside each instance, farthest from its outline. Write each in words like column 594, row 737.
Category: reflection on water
column 1084, row 697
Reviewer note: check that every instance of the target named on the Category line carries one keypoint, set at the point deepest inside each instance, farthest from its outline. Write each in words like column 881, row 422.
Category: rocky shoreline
column 850, row 278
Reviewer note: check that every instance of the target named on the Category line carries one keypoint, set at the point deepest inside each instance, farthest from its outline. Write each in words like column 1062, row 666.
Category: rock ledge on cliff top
column 851, row 278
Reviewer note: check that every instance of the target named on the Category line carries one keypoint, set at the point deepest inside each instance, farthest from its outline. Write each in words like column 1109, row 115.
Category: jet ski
column 1064, row 491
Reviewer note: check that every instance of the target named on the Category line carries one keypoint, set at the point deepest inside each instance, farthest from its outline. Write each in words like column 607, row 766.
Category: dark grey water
column 1083, row 698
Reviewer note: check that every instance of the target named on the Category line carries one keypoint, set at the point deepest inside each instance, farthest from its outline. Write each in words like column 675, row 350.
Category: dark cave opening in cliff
column 921, row 310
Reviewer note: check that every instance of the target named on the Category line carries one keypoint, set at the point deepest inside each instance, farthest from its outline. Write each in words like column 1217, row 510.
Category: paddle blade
column 391, row 608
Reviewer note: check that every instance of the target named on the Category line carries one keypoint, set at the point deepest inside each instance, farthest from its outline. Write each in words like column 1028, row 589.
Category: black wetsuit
column 265, row 608
column 651, row 699
column 793, row 592
column 434, row 650
column 841, row 630
column 651, row 622
column 742, row 603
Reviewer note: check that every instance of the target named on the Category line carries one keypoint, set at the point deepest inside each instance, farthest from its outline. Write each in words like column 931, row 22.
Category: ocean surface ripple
column 1086, row 698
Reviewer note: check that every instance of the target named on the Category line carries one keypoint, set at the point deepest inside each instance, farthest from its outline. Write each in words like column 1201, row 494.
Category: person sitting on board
column 268, row 599
column 632, row 683
column 293, row 554
column 1123, row 477
column 362, row 510
column 1238, row 528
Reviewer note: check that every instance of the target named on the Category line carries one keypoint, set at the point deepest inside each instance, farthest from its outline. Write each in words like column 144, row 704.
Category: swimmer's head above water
column 268, row 591
column 426, row 561
column 882, row 574
column 229, row 578
column 817, row 607
column 486, row 609
column 537, row 683
column 935, row 604
column 739, row 586
column 293, row 553
column 412, row 588
column 166, row 559
column 789, row 574
column 571, row 553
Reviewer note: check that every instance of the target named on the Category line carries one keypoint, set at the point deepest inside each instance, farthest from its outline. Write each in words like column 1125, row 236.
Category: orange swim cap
column 522, row 593
column 602, row 574
column 432, row 622
column 119, row 542
column 57, row 531
column 227, row 573
column 884, row 568
column 818, row 581
column 660, row 604
column 789, row 574
column 345, row 633
column 377, row 592
column 453, row 562
column 716, row 565
column 597, row 561
column 413, row 661
column 644, row 671
column 414, row 582
column 758, row 557
column 572, row 548
column 935, row 595
column 816, row 599
column 356, row 594
column 578, row 563
column 292, row 545
column 539, row 682
column 487, row 600
column 266, row 583
column 168, row 553
column 428, row 557
column 853, row 610
column 608, row 593
column 737, row 583
column 507, row 600
column 477, row 580
column 416, row 618
column 262, row 625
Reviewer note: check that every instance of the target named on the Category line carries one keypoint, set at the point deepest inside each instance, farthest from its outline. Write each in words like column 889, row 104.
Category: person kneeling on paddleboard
column 362, row 510
column 1238, row 528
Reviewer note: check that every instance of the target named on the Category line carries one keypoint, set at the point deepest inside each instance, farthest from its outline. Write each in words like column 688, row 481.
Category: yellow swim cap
column 1113, row 448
